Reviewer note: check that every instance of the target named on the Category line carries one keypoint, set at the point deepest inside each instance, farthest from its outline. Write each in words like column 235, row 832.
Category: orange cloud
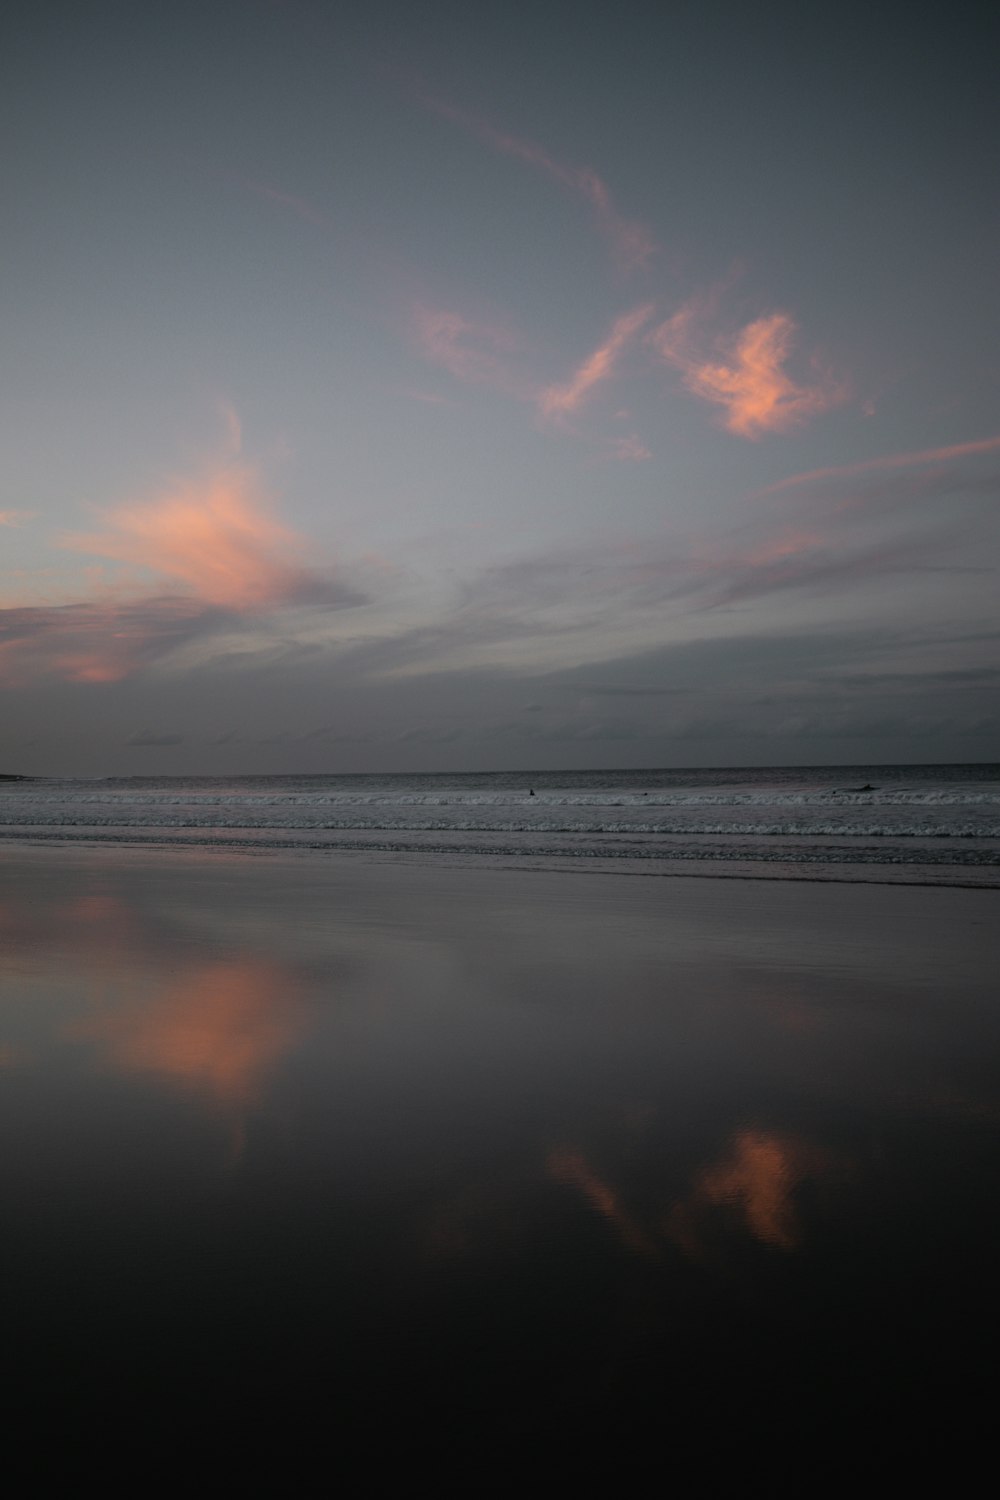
column 750, row 381
column 558, row 400
column 14, row 517
column 212, row 536
column 632, row 244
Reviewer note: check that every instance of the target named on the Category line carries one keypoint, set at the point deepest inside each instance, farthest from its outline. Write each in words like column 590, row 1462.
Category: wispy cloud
column 632, row 244
column 155, row 737
column 747, row 378
column 297, row 206
column 472, row 351
column 917, row 459
column 95, row 642
column 14, row 517
column 213, row 536
column 559, row 400
column 221, row 565
column 589, row 594
column 630, row 449
column 232, row 428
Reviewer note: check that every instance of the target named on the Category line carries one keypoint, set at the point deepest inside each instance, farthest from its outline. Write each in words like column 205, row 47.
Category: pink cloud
column 217, row 556
column 559, row 400
column 749, row 380
column 631, row 242
column 213, row 536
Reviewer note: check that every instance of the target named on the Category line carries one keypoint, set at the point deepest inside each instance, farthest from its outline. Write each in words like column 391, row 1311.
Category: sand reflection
column 218, row 1030
column 570, row 1166
column 753, row 1186
column 143, row 993
column 750, row 1191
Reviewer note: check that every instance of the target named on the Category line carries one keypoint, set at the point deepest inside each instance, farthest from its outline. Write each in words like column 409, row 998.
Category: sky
column 403, row 387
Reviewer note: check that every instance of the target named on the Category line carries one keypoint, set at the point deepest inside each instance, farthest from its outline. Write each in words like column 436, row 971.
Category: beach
column 345, row 1148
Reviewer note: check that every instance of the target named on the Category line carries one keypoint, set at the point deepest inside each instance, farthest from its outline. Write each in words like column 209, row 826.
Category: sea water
column 934, row 823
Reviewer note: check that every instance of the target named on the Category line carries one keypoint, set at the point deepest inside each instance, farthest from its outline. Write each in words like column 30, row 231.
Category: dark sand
column 445, row 1165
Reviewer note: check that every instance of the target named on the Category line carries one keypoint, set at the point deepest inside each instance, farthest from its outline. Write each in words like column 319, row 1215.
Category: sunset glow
column 750, row 382
column 465, row 372
column 212, row 537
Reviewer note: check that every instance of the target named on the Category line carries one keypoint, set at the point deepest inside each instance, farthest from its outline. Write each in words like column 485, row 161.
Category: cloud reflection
column 218, row 1030
column 754, row 1185
column 217, row 1027
column 569, row 1166
column 751, row 1190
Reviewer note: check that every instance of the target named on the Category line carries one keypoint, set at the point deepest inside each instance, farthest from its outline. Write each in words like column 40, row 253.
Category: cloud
column 483, row 353
column 475, row 352
column 632, row 244
column 748, row 379
column 576, row 590
column 14, row 517
column 298, row 206
column 214, row 537
column 630, row 450
column 95, row 642
column 917, row 459
column 149, row 737
column 559, row 400
column 227, row 565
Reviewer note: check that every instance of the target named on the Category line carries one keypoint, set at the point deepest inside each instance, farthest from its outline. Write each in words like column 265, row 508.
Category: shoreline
column 769, row 870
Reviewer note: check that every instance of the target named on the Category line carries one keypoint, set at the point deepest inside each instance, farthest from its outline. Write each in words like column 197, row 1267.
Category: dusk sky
column 449, row 387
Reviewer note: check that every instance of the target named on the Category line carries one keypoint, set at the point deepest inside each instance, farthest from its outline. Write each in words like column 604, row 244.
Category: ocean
column 931, row 824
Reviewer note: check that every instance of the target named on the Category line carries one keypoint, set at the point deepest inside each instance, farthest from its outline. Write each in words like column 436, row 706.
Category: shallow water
column 309, row 1151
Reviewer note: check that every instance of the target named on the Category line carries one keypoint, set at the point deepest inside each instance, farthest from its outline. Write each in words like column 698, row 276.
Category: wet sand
column 329, row 1152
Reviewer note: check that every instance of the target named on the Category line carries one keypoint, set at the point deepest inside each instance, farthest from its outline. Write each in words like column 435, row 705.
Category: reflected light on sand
column 570, row 1166
column 758, row 1177
column 218, row 1030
